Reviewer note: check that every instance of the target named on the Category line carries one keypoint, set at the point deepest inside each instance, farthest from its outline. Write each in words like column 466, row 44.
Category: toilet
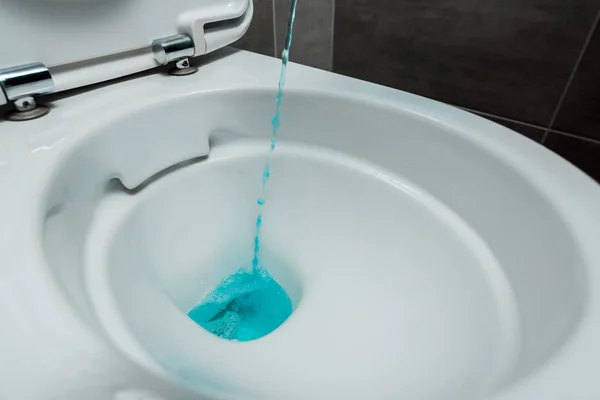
column 429, row 254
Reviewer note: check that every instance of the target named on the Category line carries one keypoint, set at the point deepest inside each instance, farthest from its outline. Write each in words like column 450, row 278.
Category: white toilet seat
column 32, row 153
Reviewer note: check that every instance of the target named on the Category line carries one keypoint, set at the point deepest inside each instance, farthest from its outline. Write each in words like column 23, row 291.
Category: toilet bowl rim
column 580, row 208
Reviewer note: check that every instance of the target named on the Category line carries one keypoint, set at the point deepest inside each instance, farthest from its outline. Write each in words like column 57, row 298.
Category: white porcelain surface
column 380, row 276
column 471, row 248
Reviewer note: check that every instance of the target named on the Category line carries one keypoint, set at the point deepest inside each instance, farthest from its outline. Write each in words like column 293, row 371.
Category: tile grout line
column 571, row 77
column 516, row 121
column 274, row 28
column 573, row 136
column 332, row 38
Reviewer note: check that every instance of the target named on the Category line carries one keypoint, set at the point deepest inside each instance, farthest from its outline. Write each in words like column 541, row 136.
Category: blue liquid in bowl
column 245, row 306
column 250, row 305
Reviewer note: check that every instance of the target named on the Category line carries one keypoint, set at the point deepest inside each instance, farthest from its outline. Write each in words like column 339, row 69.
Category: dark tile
column 503, row 57
column 580, row 111
column 260, row 35
column 583, row 153
column 535, row 133
column 313, row 31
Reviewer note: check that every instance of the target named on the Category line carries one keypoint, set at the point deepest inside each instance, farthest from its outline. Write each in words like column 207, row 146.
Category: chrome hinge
column 20, row 86
column 175, row 49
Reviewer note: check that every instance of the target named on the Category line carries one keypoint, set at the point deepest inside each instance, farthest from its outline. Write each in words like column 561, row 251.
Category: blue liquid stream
column 249, row 305
column 275, row 122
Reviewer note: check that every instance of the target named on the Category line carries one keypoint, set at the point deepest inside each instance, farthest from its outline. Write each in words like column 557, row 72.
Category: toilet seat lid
column 69, row 34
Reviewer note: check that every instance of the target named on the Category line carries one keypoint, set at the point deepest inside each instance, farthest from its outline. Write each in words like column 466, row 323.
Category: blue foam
column 245, row 306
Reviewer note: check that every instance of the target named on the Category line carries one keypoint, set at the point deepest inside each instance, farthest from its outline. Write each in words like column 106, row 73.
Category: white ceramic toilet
column 429, row 254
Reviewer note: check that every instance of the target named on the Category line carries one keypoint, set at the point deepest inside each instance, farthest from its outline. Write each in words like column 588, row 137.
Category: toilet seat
column 47, row 168
column 62, row 46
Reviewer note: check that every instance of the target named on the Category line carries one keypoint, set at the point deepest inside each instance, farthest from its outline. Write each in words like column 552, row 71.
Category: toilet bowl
column 428, row 253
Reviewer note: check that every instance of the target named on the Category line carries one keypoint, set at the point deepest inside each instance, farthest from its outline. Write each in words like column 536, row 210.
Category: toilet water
column 250, row 304
column 245, row 306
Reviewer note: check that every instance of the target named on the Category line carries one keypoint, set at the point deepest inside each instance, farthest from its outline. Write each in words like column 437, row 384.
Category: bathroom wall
column 532, row 65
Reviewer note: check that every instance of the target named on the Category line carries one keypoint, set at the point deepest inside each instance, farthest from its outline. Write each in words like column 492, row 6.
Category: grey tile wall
column 506, row 57
column 313, row 31
column 260, row 37
column 580, row 111
column 531, row 65
column 583, row 153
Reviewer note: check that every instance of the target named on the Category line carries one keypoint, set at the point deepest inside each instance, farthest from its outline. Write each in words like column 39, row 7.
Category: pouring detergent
column 250, row 304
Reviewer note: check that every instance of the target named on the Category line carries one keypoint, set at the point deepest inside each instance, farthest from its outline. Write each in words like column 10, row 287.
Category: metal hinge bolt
column 20, row 85
column 177, row 49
